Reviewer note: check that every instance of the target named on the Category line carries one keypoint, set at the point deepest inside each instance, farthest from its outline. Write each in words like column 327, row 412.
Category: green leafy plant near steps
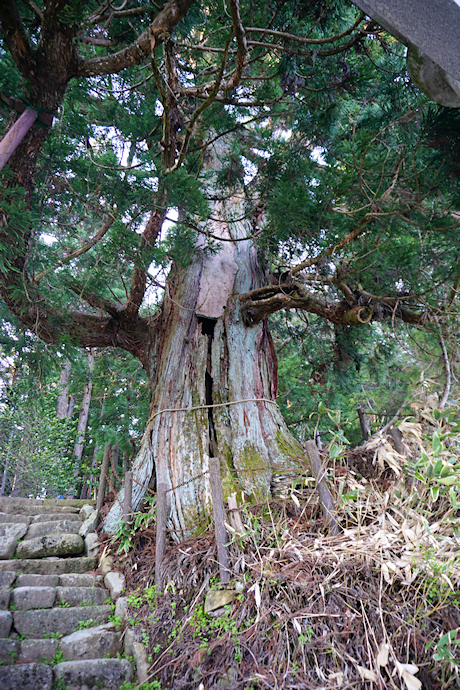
column 153, row 685
column 127, row 531
column 439, row 465
column 90, row 623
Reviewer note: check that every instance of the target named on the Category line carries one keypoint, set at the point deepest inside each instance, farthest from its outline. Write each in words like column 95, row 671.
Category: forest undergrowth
column 376, row 606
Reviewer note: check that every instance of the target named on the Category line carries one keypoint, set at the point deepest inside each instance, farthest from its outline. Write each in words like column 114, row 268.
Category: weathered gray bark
column 84, row 412
column 205, row 355
column 62, row 406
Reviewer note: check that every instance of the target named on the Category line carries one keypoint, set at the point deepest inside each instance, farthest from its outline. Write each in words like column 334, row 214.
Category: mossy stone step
column 51, row 545
column 58, row 621
column 41, row 529
column 50, row 566
column 104, row 674
column 26, row 677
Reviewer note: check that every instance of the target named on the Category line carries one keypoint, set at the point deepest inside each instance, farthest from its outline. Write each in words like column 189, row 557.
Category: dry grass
column 365, row 609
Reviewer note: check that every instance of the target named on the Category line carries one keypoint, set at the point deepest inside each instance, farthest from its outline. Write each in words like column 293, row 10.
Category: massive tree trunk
column 214, row 385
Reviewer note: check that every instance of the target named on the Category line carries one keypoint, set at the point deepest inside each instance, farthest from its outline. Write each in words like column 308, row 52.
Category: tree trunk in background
column 203, row 354
column 83, row 419
column 62, row 407
column 7, row 461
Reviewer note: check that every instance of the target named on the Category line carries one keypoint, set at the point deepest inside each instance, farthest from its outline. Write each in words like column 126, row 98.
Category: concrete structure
column 431, row 30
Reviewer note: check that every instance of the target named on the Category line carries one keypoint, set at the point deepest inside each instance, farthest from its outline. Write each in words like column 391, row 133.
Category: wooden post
column 219, row 519
column 162, row 516
column 363, row 423
column 128, row 497
column 16, row 134
column 322, row 488
column 103, row 477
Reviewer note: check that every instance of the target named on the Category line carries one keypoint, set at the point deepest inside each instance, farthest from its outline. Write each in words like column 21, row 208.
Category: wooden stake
column 128, row 497
column 322, row 488
column 162, row 516
column 103, row 478
column 219, row 519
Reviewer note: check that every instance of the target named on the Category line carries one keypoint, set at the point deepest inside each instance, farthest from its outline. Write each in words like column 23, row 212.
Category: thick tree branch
column 161, row 28
column 93, row 300
column 260, row 303
column 85, row 330
column 16, row 37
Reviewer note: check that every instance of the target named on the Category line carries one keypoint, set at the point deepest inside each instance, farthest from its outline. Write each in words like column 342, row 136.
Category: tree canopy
column 339, row 157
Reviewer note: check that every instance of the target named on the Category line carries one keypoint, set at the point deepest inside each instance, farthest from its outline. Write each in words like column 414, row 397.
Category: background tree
column 306, row 172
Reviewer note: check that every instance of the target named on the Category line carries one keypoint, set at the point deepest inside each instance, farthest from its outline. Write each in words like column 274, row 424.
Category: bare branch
column 139, row 277
column 306, row 40
column 242, row 55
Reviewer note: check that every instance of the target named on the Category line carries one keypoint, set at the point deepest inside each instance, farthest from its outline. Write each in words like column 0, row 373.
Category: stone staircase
column 54, row 612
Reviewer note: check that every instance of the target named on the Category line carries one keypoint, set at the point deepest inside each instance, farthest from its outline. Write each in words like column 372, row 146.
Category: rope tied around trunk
column 207, row 407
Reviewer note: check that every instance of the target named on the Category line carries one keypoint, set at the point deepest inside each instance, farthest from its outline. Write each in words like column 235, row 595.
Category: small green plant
column 57, row 658
column 153, row 685
column 117, row 621
column 447, row 647
column 127, row 531
column 82, row 625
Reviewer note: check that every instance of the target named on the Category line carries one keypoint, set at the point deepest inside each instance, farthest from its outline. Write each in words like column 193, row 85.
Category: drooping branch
column 105, row 226
column 161, row 28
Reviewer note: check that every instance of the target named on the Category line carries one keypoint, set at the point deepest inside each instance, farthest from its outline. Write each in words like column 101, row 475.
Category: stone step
column 5, row 596
column 10, row 533
column 55, row 517
column 51, row 545
column 60, row 502
column 50, row 566
column 41, row 529
column 13, row 517
column 36, row 651
column 82, row 596
column 6, row 621
column 78, row 580
column 26, row 677
column 30, row 510
column 7, row 577
column 9, row 650
column 100, row 642
column 28, row 598
column 58, row 621
column 70, row 580
column 36, row 581
column 104, row 674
